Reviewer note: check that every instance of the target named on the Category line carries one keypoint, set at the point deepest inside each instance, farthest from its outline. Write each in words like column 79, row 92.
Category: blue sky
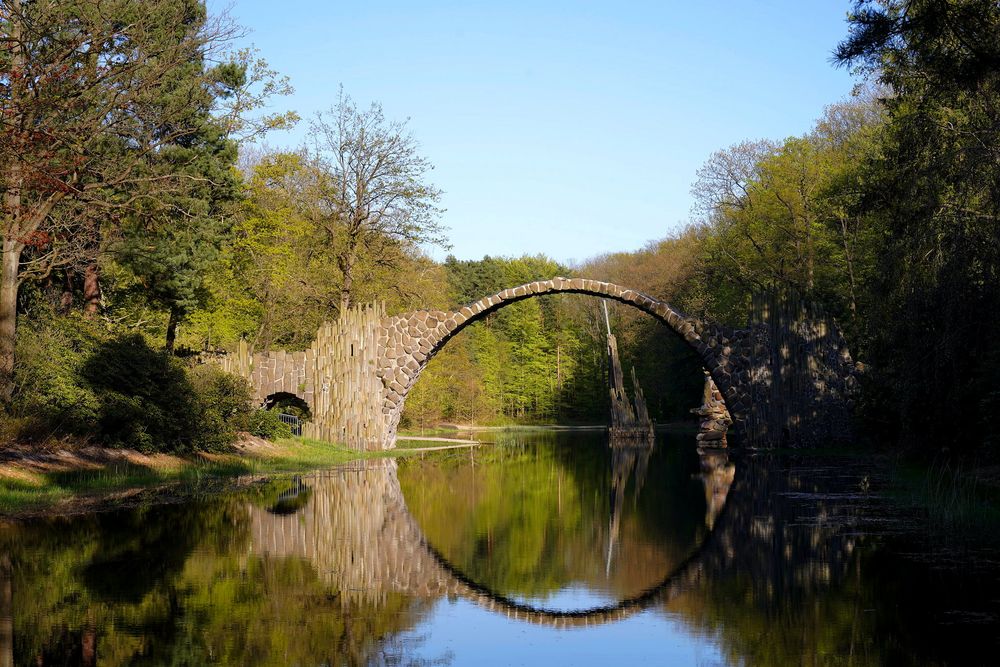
column 565, row 128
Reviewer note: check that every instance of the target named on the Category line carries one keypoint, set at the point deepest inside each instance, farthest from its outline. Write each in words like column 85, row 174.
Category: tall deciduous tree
column 933, row 190
column 82, row 109
column 373, row 199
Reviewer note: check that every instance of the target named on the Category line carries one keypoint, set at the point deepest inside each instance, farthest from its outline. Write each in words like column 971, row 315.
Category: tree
column 171, row 244
column 82, row 109
column 932, row 191
column 372, row 199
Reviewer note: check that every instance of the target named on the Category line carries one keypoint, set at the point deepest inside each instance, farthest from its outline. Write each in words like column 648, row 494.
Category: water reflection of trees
column 341, row 576
column 180, row 585
column 783, row 582
column 529, row 520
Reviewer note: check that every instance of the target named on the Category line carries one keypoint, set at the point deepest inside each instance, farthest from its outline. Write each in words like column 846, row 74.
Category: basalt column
column 348, row 394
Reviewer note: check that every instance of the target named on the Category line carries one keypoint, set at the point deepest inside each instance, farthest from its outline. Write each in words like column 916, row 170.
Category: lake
column 539, row 547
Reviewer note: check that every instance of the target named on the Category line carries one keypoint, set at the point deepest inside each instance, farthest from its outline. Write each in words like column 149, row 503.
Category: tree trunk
column 91, row 290
column 66, row 300
column 175, row 318
column 347, row 268
column 11, row 262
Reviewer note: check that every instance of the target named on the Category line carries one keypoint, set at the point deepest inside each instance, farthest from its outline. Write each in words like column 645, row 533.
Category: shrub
column 224, row 406
column 74, row 378
column 50, row 397
column 146, row 400
column 266, row 424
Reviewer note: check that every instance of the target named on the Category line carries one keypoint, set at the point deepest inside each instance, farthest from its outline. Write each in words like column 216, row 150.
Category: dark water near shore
column 544, row 548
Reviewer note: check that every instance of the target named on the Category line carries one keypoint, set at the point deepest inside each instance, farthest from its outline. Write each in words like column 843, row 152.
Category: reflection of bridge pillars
column 344, row 530
column 717, row 473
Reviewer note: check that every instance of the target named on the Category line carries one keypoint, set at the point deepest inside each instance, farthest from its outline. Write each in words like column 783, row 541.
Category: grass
column 953, row 497
column 37, row 492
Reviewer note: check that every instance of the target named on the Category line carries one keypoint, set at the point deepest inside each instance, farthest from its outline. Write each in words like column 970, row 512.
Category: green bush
column 224, row 406
column 75, row 378
column 50, row 398
column 266, row 424
column 146, row 399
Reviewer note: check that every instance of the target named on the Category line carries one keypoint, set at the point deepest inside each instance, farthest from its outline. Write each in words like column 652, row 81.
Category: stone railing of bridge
column 357, row 374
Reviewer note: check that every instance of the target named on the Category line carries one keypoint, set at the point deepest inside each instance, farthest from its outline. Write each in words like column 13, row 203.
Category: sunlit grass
column 188, row 475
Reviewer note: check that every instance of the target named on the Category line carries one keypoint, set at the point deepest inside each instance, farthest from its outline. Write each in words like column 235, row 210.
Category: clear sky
column 565, row 128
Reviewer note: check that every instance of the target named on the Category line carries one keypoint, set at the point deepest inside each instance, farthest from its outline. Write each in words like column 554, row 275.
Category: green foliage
column 223, row 404
column 931, row 196
column 146, row 401
column 266, row 424
column 50, row 395
column 76, row 378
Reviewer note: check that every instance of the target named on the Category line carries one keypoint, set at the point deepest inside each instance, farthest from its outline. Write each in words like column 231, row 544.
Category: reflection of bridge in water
column 359, row 535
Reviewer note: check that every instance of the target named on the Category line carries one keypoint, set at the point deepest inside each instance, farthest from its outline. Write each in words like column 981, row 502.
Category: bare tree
column 371, row 195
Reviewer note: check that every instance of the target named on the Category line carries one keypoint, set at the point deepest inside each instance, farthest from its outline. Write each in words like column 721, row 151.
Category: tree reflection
column 760, row 554
column 529, row 521
column 181, row 585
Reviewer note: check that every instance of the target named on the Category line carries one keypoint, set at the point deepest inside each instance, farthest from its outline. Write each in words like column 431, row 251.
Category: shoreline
column 66, row 478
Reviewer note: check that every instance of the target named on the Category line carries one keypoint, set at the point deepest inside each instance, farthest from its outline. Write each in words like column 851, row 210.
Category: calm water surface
column 543, row 548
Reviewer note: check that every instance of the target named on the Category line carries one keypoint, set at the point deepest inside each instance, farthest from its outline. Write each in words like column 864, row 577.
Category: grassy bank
column 67, row 483
column 958, row 499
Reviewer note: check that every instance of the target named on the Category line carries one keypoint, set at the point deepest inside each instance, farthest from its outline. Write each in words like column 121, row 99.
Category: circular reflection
column 572, row 525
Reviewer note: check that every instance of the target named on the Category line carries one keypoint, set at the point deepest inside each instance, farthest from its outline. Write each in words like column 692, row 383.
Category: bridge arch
column 410, row 340
column 288, row 402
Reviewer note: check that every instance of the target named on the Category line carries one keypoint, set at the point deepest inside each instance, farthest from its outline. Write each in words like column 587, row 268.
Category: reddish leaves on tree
column 37, row 239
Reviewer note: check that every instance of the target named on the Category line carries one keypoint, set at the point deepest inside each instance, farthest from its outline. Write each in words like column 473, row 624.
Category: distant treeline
column 137, row 205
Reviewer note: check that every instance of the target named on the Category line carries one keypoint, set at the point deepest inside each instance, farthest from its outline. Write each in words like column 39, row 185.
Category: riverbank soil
column 66, row 477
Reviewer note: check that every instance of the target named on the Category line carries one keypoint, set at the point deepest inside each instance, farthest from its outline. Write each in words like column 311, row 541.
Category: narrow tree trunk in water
column 11, row 262
column 91, row 290
column 175, row 318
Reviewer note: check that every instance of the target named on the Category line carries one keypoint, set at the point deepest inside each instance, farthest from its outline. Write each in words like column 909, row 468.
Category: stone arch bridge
column 357, row 374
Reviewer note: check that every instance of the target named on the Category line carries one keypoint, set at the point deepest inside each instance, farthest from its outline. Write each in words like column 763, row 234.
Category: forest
column 147, row 227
